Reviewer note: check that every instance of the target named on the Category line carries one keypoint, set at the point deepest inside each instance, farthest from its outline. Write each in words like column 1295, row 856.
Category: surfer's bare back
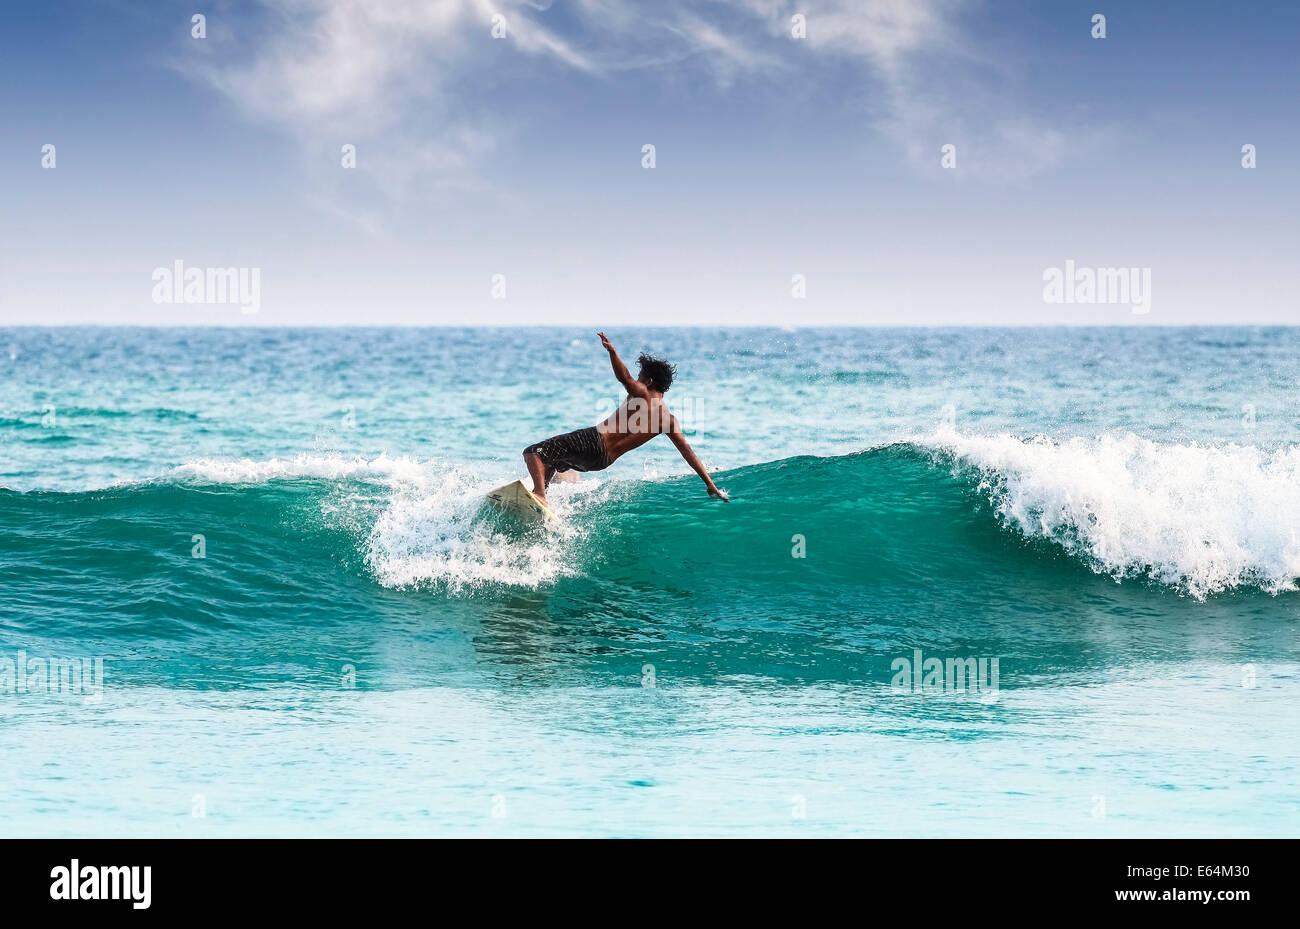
column 641, row 417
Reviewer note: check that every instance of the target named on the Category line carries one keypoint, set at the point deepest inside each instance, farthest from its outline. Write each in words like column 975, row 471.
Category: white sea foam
column 432, row 528
column 1202, row 518
column 330, row 466
column 444, row 536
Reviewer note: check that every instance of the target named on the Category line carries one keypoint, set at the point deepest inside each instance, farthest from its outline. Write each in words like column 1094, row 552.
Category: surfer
column 641, row 417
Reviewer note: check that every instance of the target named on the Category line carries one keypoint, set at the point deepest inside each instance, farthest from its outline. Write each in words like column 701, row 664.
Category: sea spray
column 1202, row 518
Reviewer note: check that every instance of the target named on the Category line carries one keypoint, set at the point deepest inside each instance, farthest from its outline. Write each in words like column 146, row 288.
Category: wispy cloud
column 318, row 63
column 342, row 69
column 931, row 85
column 883, row 32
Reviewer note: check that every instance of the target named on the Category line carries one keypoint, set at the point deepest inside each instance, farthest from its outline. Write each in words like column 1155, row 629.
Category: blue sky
column 775, row 156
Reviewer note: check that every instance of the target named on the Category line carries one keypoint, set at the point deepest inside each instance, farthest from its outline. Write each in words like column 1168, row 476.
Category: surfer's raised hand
column 604, row 340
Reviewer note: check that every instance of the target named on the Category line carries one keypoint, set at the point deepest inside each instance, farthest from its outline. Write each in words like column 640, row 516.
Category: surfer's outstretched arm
column 678, row 439
column 624, row 376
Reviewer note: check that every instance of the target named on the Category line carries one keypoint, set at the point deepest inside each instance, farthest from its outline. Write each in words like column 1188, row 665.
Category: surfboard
column 518, row 499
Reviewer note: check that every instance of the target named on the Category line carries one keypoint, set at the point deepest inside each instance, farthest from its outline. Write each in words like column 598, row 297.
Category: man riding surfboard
column 641, row 417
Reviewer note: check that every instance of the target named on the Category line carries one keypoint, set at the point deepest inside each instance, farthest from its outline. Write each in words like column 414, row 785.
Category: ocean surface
column 266, row 553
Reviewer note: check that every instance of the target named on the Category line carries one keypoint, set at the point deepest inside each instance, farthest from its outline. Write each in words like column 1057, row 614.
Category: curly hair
column 659, row 371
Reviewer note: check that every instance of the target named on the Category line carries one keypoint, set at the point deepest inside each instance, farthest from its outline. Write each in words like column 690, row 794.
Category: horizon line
column 755, row 326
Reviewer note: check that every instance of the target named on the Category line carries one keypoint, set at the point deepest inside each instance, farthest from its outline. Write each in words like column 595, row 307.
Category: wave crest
column 1200, row 518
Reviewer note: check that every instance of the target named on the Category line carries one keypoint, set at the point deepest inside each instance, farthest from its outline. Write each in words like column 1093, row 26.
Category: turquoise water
column 1110, row 514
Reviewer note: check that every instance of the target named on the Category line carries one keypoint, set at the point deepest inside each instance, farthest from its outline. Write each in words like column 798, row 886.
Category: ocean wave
column 970, row 515
column 1200, row 518
column 431, row 529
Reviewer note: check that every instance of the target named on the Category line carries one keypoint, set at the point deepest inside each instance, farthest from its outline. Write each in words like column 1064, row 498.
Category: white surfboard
column 518, row 499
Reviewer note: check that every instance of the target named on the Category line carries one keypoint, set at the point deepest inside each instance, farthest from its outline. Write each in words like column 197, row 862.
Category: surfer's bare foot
column 540, row 496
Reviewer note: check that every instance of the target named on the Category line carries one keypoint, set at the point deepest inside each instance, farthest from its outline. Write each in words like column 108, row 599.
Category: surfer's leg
column 540, row 472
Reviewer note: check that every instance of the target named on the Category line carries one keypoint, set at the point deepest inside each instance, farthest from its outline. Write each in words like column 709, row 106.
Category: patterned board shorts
column 581, row 450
